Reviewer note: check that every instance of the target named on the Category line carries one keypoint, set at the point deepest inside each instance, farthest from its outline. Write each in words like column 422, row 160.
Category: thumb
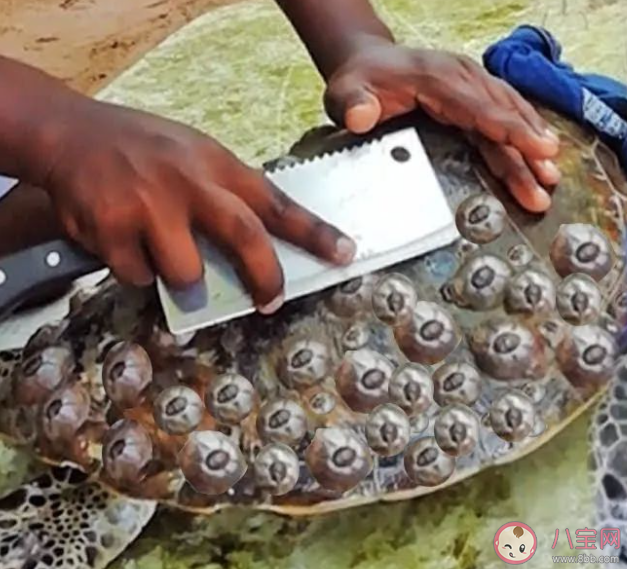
column 351, row 105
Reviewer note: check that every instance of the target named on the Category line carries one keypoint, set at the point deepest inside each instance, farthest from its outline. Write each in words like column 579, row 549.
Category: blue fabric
column 530, row 60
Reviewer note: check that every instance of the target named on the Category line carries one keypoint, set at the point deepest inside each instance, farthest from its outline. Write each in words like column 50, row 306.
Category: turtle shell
column 387, row 387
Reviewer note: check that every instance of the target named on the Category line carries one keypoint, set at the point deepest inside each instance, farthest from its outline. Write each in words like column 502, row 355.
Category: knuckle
column 467, row 67
column 127, row 270
column 107, row 222
column 529, row 112
column 113, row 219
column 188, row 273
column 133, row 278
column 511, row 116
column 519, row 175
column 337, row 95
column 317, row 232
column 70, row 225
column 247, row 230
column 112, row 227
column 272, row 285
column 123, row 276
column 165, row 145
column 499, row 83
column 512, row 93
column 514, row 161
column 467, row 61
column 470, row 103
column 181, row 281
column 280, row 206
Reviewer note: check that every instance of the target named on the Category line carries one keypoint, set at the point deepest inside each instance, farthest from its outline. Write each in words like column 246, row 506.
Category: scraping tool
column 382, row 193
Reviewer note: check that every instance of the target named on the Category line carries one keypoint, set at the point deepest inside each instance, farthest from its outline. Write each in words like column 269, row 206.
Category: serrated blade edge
column 383, row 193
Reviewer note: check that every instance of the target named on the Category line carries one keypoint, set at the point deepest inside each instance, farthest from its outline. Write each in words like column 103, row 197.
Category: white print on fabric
column 602, row 117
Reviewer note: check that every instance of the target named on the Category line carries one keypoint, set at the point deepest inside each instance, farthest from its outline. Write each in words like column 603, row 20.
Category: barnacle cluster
column 337, row 407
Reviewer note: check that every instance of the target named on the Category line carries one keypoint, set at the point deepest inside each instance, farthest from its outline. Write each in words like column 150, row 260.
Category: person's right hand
column 131, row 187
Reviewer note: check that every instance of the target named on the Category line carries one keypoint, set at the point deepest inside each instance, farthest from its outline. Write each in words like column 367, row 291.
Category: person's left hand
column 383, row 80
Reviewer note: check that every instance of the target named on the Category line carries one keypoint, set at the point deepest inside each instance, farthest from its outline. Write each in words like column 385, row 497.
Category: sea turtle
column 385, row 388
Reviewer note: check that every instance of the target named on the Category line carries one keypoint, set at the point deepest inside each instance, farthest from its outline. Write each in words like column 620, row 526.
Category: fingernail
column 345, row 250
column 361, row 119
column 543, row 199
column 272, row 306
column 550, row 135
column 551, row 169
column 191, row 298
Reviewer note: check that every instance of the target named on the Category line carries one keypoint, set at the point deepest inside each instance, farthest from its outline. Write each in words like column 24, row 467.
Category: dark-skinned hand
column 382, row 80
column 132, row 187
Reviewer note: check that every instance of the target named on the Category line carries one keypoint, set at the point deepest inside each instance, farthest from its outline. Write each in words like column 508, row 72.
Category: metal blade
column 384, row 194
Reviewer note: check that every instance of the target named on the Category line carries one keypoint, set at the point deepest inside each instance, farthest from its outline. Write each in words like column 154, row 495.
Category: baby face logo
column 515, row 543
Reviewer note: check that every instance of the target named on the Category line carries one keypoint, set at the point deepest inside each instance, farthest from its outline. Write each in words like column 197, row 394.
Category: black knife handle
column 30, row 272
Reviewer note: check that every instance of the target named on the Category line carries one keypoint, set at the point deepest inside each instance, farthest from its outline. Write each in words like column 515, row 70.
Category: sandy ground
column 88, row 42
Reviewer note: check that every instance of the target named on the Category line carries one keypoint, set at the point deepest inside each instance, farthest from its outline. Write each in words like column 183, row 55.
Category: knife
column 383, row 193
column 33, row 271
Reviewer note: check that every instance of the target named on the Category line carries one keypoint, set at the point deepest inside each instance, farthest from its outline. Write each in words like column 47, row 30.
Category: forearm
column 34, row 111
column 332, row 30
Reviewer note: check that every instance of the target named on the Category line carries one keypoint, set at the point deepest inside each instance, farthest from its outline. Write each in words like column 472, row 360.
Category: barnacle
column 530, row 292
column 353, row 297
column 507, row 349
column 211, row 462
column 481, row 281
column 581, row 248
column 411, row 388
column 178, row 410
column 512, row 416
column 41, row 373
column 481, row 218
column 64, row 413
column 282, row 421
column 230, row 398
column 426, row 463
column 277, row 468
column 126, row 374
column 456, row 383
column 456, row 430
column 387, row 430
column 305, row 363
column 579, row 299
column 126, row 452
column 362, row 379
column 393, row 299
column 429, row 336
column 338, row 459
column 587, row 354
